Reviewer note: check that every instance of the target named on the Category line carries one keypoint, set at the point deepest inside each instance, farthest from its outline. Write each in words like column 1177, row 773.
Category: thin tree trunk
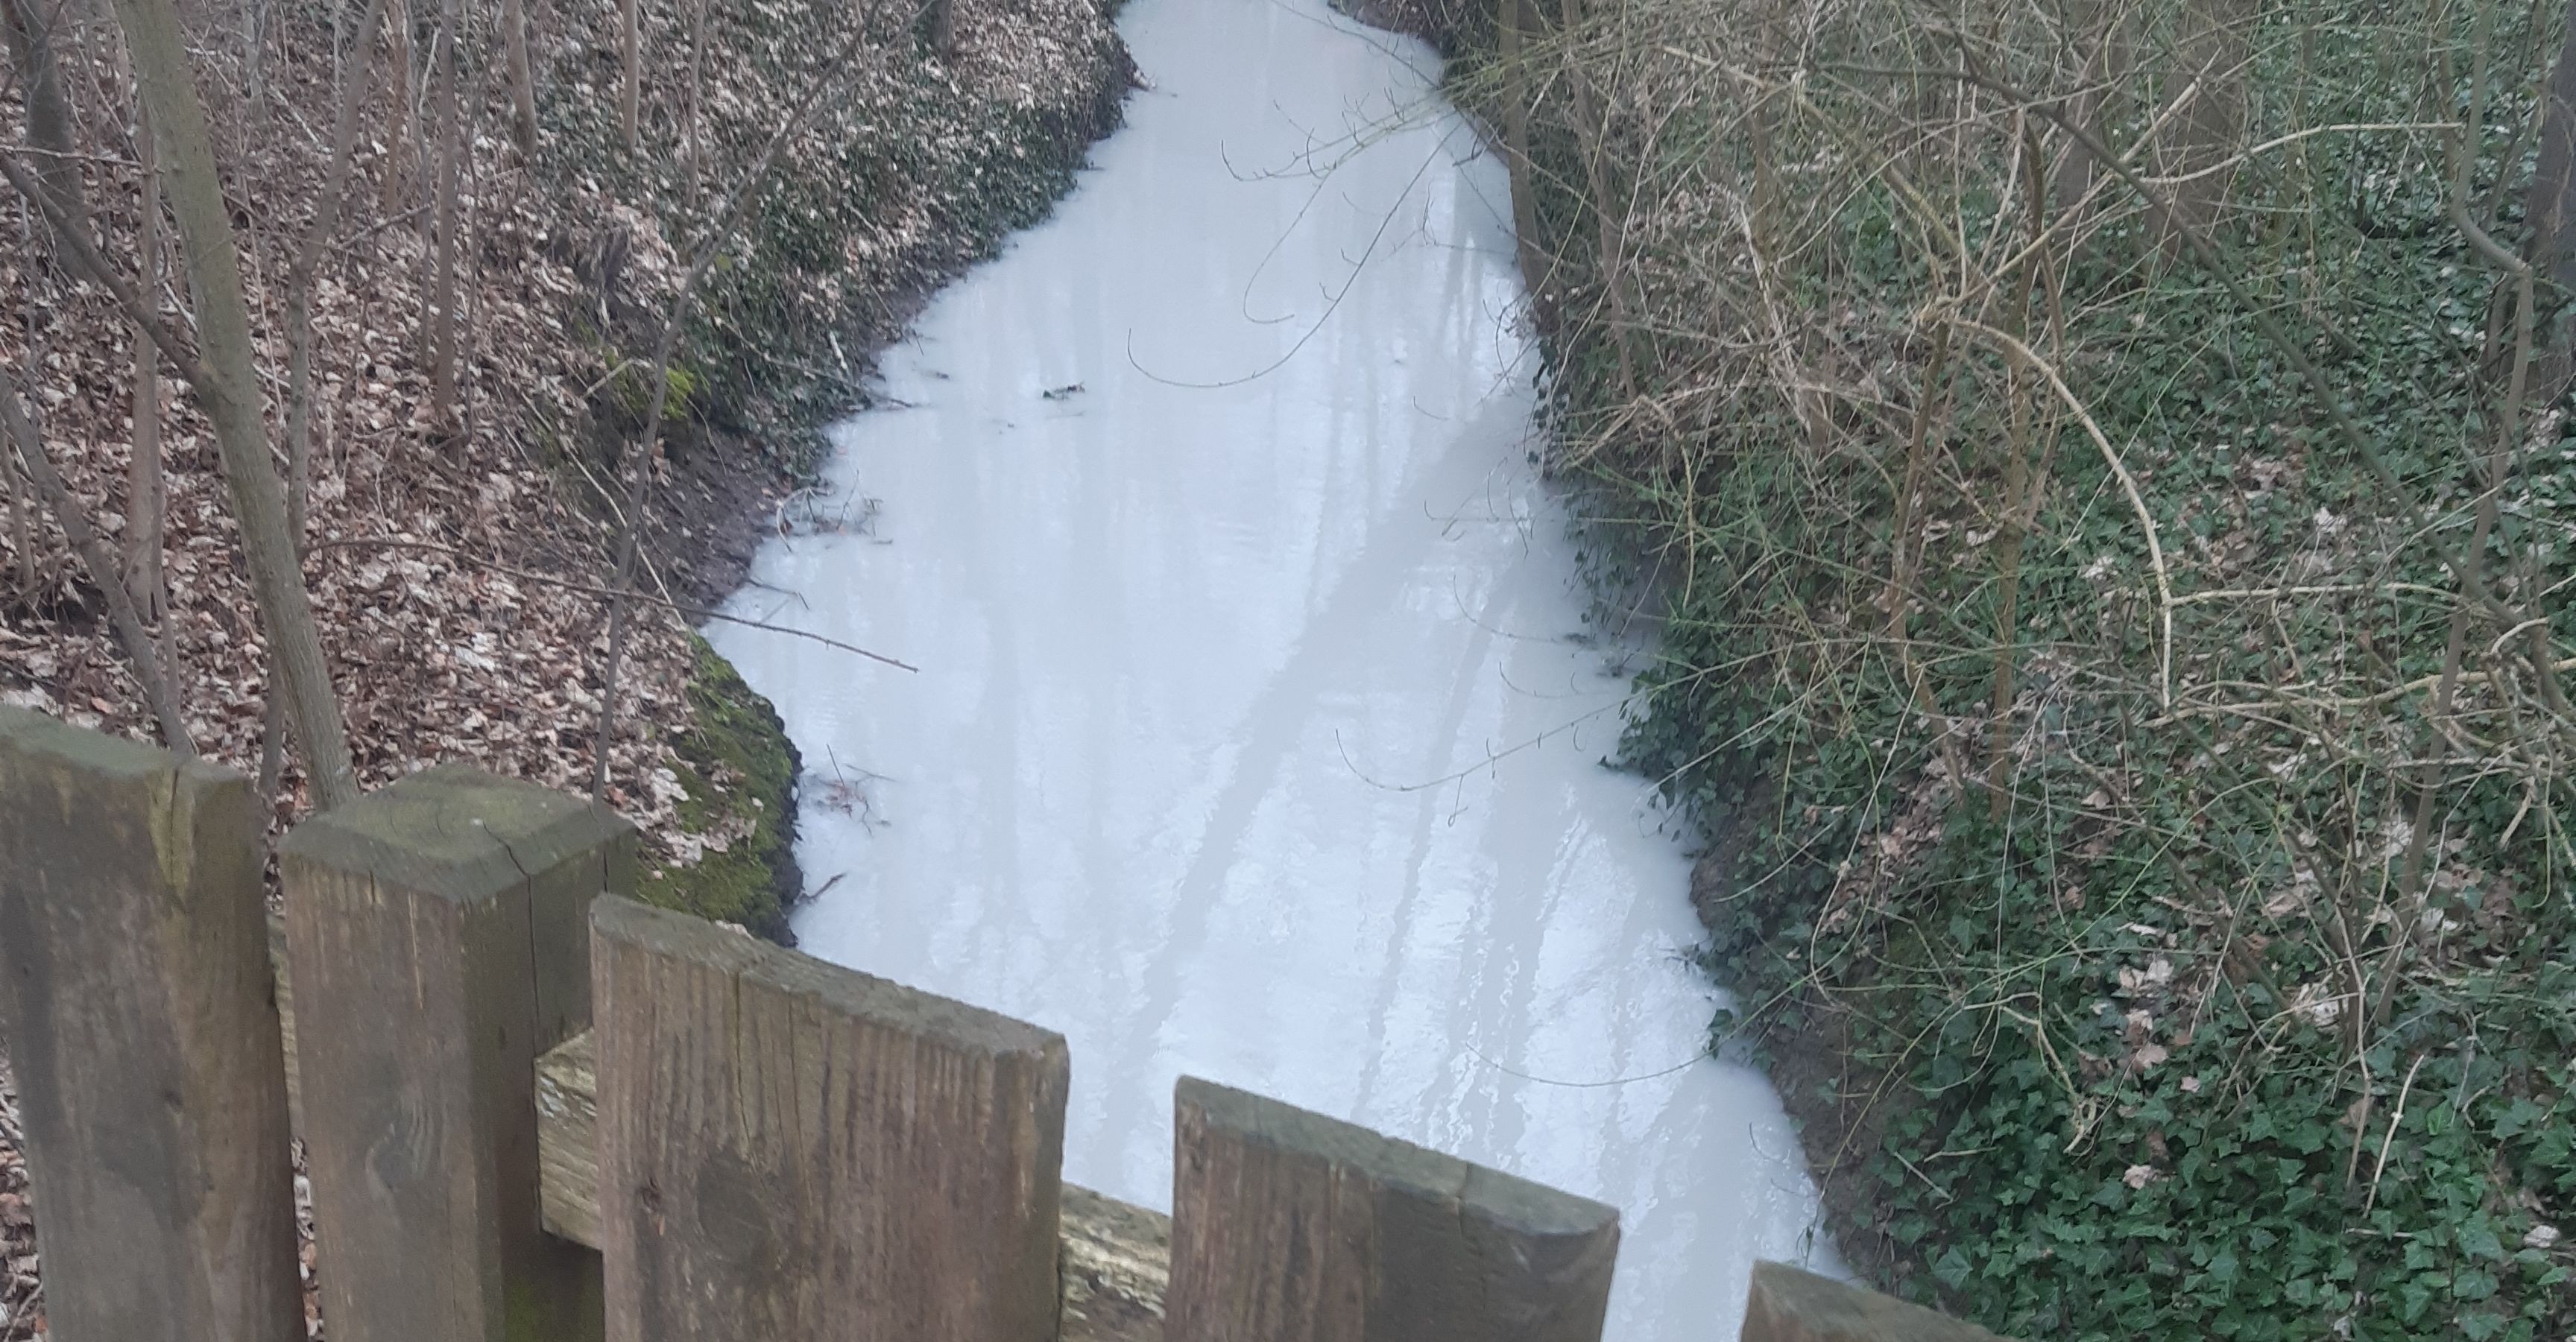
column 630, row 94
column 145, row 506
column 2213, row 51
column 353, row 75
column 689, row 149
column 229, row 390
column 639, row 487
column 2547, row 211
column 2104, row 71
column 20, row 515
column 101, row 564
column 22, row 530
column 1606, row 218
column 523, row 79
column 1513, row 23
column 317, row 236
column 442, row 288
column 2025, row 481
column 398, row 135
column 33, row 28
column 254, row 77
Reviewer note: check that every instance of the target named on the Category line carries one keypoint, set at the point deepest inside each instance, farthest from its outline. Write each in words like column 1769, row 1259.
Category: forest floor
column 458, row 565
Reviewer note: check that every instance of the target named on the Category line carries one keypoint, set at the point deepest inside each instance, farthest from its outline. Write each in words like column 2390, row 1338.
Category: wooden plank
column 1288, row 1226
column 789, row 1149
column 1790, row 1305
column 435, row 938
column 568, row 1139
column 137, row 1013
column 1113, row 1259
column 1116, row 1266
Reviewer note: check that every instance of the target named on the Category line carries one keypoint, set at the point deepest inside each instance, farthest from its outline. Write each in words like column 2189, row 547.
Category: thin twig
column 683, row 608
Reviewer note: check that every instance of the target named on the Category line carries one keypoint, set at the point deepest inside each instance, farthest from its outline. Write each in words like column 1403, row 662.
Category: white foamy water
column 1255, row 734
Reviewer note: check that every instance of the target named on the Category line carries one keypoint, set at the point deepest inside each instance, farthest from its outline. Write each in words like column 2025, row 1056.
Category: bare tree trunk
column 229, row 391
column 353, row 76
column 630, row 94
column 254, row 77
column 523, row 78
column 640, row 457
column 1608, row 219
column 22, row 532
column 33, row 27
column 1512, row 24
column 20, row 515
column 2212, row 50
column 689, row 150
column 2103, row 24
column 144, row 506
column 317, row 236
column 101, row 564
column 398, row 135
column 442, row 286
column 2547, row 211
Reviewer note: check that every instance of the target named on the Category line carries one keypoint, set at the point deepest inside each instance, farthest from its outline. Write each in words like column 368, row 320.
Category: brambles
column 2109, row 477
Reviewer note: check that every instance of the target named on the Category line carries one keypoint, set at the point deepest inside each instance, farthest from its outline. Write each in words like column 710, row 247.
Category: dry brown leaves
column 446, row 567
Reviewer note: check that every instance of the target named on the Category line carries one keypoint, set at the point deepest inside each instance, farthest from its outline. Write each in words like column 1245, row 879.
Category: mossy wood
column 1288, row 1226
column 436, row 940
column 137, row 1013
column 792, row 1149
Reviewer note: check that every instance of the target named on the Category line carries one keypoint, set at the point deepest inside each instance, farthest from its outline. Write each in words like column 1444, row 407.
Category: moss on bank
column 741, row 794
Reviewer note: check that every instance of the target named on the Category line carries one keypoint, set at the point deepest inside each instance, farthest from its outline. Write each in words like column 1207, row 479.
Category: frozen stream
column 1255, row 734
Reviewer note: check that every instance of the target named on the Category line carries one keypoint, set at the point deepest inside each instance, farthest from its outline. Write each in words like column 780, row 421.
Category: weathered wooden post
column 790, row 1150
column 1288, row 1226
column 138, row 1014
column 437, row 940
column 1790, row 1305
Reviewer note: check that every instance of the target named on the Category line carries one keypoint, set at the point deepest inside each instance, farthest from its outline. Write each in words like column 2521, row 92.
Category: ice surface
column 1258, row 728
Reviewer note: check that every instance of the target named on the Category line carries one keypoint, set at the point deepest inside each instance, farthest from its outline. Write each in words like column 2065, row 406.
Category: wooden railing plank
column 134, row 997
column 437, row 945
column 1116, row 1266
column 1788, row 1304
column 136, row 977
column 1114, row 1257
column 788, row 1148
column 1288, row 1226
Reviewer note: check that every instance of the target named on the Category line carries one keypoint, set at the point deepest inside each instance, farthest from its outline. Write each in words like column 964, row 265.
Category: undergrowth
column 909, row 167
column 2118, row 619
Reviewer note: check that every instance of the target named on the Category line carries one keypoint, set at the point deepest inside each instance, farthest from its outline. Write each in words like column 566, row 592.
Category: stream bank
column 914, row 172
column 2132, row 831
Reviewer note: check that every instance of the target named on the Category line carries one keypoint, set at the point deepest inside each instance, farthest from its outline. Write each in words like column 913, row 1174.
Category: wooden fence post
column 436, row 938
column 790, row 1150
column 1790, row 1305
column 137, row 1011
column 1288, row 1226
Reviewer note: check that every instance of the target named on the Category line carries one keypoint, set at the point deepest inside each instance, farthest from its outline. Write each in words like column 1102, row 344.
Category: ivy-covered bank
column 2105, row 472
column 908, row 165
